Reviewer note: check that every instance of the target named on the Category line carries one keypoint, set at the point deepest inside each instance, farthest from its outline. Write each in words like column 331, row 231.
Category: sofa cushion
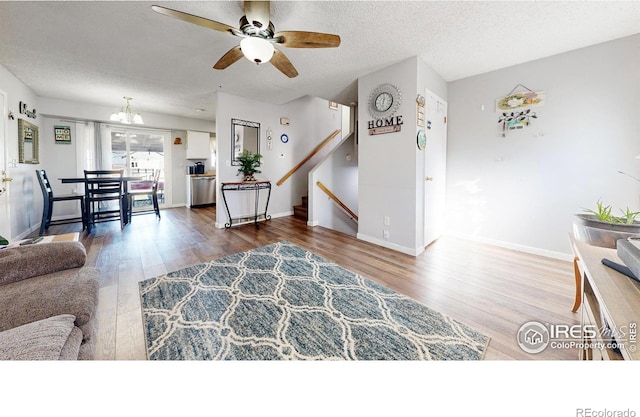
column 72, row 291
column 49, row 339
column 24, row 262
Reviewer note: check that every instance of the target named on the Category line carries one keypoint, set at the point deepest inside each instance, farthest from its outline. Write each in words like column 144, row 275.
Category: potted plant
column 601, row 228
column 249, row 163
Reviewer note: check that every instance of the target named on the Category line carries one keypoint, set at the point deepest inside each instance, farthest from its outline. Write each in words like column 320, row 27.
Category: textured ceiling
column 97, row 52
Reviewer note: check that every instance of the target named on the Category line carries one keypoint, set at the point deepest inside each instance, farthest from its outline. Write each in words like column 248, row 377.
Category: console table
column 610, row 303
column 255, row 186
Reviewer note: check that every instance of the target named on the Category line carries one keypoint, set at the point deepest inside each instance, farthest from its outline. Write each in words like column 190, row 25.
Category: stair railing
column 311, row 155
column 339, row 202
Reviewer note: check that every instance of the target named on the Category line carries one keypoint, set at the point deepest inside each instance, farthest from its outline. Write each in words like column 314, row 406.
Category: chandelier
column 126, row 115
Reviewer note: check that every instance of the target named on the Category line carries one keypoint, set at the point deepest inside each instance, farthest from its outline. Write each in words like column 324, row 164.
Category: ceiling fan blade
column 282, row 63
column 257, row 13
column 297, row 39
column 196, row 20
column 229, row 58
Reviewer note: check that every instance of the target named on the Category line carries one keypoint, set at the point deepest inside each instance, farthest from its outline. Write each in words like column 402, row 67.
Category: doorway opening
column 141, row 153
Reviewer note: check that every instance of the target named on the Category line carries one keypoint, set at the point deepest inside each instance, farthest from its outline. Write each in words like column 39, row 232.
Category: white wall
column 390, row 165
column 340, row 175
column 523, row 190
column 93, row 112
column 311, row 122
column 179, row 163
column 23, row 191
column 59, row 161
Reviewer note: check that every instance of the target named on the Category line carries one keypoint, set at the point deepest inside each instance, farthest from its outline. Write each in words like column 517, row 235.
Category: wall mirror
column 244, row 135
column 27, row 143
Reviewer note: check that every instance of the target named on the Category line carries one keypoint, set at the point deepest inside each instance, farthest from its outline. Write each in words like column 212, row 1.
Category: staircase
column 301, row 211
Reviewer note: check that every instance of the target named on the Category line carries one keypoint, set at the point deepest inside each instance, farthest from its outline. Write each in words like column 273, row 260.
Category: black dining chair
column 103, row 188
column 148, row 192
column 49, row 198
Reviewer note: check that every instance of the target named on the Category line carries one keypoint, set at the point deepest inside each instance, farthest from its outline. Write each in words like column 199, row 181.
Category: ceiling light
column 256, row 49
column 126, row 115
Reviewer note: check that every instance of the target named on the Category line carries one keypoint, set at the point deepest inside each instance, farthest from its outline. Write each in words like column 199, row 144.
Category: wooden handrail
column 311, row 154
column 337, row 200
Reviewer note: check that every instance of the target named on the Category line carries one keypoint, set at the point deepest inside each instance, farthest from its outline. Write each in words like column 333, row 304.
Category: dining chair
column 49, row 198
column 149, row 191
column 102, row 189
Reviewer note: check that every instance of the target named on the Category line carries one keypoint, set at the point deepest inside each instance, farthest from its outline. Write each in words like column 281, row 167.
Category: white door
column 141, row 152
column 5, row 218
column 435, row 166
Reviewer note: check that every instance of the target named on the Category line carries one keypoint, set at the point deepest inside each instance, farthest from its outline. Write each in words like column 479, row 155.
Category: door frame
column 429, row 236
column 166, row 148
column 5, row 205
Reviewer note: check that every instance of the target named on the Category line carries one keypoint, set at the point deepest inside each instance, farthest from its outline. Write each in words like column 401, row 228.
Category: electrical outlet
column 385, row 233
column 386, row 220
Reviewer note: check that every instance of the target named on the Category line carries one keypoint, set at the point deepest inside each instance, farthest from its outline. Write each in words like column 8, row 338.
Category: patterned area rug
column 282, row 302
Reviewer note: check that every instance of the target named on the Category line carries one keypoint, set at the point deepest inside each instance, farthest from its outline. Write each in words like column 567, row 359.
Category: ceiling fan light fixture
column 256, row 49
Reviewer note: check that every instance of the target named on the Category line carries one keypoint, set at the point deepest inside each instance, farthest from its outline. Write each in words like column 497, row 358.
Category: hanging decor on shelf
column 516, row 108
column 520, row 100
column 422, row 139
column 420, row 101
column 269, row 139
column 515, row 120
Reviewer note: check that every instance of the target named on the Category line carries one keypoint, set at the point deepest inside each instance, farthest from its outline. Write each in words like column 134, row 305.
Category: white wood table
column 610, row 301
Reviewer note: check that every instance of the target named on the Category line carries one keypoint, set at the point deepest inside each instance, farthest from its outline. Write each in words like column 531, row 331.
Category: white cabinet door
column 198, row 145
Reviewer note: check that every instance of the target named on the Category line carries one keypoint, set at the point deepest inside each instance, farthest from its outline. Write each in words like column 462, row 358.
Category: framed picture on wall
column 62, row 134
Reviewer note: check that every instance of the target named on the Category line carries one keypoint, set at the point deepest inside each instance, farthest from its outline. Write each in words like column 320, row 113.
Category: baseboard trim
column 390, row 245
column 515, row 246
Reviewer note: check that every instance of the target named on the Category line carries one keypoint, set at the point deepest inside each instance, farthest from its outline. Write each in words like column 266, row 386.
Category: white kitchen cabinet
column 198, row 145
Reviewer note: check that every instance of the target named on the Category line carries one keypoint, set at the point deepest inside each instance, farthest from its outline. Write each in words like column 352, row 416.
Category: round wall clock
column 422, row 139
column 384, row 101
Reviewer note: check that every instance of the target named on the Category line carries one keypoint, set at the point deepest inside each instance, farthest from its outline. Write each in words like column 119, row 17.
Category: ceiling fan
column 258, row 37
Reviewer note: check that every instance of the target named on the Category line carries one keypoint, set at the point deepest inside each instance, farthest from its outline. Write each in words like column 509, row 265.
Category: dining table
column 125, row 181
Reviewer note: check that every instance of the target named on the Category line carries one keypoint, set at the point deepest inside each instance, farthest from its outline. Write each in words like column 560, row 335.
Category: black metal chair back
column 102, row 187
column 49, row 198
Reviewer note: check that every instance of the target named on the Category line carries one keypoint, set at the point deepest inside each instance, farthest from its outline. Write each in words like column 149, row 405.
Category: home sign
column 24, row 110
column 384, row 102
column 388, row 125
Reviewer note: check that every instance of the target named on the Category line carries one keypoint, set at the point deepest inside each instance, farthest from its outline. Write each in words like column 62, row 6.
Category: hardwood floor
column 492, row 289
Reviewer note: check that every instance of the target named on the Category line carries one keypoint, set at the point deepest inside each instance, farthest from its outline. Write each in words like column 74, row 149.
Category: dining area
column 103, row 196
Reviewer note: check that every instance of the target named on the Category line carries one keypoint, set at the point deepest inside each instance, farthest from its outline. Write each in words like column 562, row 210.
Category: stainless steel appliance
column 202, row 190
